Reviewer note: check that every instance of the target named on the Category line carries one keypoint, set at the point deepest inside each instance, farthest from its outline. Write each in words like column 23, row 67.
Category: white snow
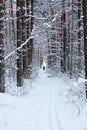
column 46, row 107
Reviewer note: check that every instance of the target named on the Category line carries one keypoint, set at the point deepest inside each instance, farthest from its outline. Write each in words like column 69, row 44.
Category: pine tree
column 63, row 44
column 79, row 37
column 84, row 3
column 24, row 38
column 30, row 45
column 19, row 42
column 2, row 65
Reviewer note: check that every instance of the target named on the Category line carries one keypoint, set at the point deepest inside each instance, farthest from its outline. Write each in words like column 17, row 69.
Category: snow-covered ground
column 49, row 106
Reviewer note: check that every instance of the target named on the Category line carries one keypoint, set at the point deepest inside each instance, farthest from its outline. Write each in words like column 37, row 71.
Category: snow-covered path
column 48, row 91
column 42, row 109
column 37, row 111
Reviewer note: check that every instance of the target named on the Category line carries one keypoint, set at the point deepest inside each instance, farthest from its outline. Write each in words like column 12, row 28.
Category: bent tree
column 2, row 65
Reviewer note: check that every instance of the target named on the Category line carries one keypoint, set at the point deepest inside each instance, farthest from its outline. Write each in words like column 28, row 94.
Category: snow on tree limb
column 31, row 37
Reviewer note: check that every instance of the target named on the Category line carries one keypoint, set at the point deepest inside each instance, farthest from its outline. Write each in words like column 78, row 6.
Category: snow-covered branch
column 33, row 16
column 31, row 37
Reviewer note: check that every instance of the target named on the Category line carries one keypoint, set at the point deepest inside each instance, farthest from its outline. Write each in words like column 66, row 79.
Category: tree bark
column 63, row 44
column 79, row 37
column 19, row 42
column 71, row 40
column 31, row 40
column 85, row 38
column 24, row 38
column 2, row 65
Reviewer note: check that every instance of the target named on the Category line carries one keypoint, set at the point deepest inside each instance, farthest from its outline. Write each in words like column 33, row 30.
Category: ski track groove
column 53, row 114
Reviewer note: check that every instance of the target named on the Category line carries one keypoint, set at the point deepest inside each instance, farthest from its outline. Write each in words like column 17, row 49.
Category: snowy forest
column 43, row 64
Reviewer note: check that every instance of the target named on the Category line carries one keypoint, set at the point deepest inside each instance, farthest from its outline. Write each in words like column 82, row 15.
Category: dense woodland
column 33, row 29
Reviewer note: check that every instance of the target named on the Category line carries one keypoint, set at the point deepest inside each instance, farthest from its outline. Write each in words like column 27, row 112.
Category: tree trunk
column 13, row 24
column 24, row 38
column 63, row 46
column 71, row 40
column 2, row 65
column 19, row 42
column 79, row 37
column 85, row 38
column 68, row 41
column 31, row 40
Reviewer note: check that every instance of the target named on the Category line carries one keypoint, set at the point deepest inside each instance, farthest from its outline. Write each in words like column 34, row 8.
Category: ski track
column 38, row 110
column 54, row 123
column 53, row 111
